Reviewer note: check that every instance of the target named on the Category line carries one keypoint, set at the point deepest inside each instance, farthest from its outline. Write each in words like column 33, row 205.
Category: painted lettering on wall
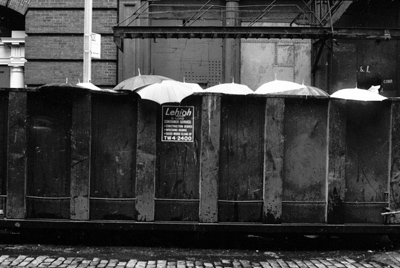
column 364, row 69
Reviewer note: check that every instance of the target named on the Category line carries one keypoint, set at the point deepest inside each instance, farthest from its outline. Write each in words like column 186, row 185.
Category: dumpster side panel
column 16, row 155
column 209, row 157
column 273, row 159
column 337, row 161
column 146, row 159
column 394, row 185
column 112, row 186
column 3, row 149
column 80, row 154
column 241, row 163
column 48, row 156
column 177, row 179
column 367, row 156
column 305, row 161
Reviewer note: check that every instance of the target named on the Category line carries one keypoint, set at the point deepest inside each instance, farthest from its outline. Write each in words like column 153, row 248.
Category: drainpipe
column 231, row 46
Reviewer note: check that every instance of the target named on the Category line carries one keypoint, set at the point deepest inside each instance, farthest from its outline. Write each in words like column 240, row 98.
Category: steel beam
column 378, row 34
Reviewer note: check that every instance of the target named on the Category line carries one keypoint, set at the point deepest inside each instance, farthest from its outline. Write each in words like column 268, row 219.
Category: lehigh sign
column 177, row 123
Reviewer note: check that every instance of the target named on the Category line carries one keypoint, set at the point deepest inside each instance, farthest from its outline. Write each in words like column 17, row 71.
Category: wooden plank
column 80, row 156
column 209, row 158
column 394, row 185
column 273, row 159
column 146, row 159
column 337, row 161
column 17, row 160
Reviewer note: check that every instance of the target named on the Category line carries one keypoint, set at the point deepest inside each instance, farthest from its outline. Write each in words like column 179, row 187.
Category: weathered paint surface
column 177, row 180
column 16, row 155
column 49, row 156
column 80, row 156
column 146, row 160
column 241, row 160
column 273, row 159
column 209, row 157
column 3, row 149
column 113, row 177
column 194, row 60
column 337, row 161
column 3, row 141
column 242, row 145
column 284, row 59
column 305, row 162
column 394, row 183
column 367, row 158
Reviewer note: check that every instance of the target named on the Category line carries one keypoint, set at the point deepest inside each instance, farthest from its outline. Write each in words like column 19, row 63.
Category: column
column 231, row 50
column 17, row 77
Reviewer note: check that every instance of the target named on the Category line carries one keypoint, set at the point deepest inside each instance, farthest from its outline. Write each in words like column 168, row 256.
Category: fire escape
column 312, row 19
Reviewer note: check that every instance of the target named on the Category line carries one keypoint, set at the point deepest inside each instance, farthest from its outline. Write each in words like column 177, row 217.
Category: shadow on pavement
column 201, row 240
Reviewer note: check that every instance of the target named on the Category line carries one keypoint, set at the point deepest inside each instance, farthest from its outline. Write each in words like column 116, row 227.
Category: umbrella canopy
column 196, row 87
column 279, row 87
column 88, row 85
column 140, row 81
column 357, row 94
column 230, row 88
column 166, row 91
column 61, row 87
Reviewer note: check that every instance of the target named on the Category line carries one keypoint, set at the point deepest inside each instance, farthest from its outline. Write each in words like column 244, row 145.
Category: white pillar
column 17, row 77
column 16, row 57
column 87, row 60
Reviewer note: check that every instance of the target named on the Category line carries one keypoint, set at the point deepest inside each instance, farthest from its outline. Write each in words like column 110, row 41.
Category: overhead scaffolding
column 307, row 21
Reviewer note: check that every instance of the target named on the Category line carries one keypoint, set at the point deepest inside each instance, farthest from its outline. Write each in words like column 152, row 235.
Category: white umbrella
column 88, row 85
column 196, row 87
column 357, row 94
column 139, row 81
column 166, row 91
column 280, row 87
column 230, row 88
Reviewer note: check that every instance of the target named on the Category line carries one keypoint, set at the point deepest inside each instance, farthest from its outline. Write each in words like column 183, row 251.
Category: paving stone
column 131, row 263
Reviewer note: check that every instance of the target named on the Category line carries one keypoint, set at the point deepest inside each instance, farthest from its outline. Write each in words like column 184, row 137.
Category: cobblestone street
column 390, row 260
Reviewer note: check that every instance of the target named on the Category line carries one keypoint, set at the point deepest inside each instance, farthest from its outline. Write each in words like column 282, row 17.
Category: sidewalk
column 390, row 259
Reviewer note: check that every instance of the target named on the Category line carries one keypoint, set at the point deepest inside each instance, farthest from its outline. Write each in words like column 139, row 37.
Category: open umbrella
column 139, row 81
column 230, row 88
column 166, row 91
column 88, row 85
column 60, row 87
column 196, row 87
column 280, row 87
column 357, row 94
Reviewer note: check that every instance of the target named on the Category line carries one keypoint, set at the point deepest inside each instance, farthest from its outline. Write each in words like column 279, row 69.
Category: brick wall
column 54, row 46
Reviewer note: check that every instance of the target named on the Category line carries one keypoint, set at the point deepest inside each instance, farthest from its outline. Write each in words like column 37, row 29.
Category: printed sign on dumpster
column 177, row 123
